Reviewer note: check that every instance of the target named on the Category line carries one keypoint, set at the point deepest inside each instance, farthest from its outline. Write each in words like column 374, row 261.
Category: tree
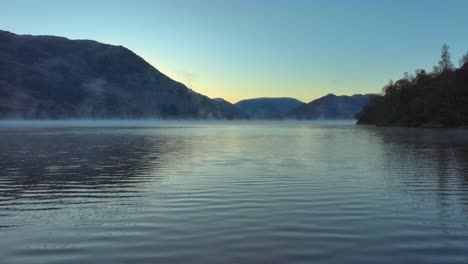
column 445, row 64
column 463, row 60
column 438, row 99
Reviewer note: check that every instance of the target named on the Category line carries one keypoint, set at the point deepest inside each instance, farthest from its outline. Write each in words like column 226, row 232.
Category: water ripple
column 217, row 192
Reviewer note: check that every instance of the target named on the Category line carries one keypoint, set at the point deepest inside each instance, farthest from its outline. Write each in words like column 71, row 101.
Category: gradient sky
column 247, row 48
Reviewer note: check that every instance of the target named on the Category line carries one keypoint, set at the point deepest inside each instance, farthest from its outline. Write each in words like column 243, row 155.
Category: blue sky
column 258, row 48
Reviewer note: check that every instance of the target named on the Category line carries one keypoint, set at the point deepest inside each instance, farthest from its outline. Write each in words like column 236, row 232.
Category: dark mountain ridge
column 229, row 110
column 54, row 77
column 268, row 108
column 330, row 107
column 48, row 77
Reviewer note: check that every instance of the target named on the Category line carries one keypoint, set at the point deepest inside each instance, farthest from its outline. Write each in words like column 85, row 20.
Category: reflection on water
column 427, row 159
column 233, row 192
column 39, row 167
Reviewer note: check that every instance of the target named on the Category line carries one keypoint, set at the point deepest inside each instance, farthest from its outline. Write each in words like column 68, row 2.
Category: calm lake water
column 231, row 192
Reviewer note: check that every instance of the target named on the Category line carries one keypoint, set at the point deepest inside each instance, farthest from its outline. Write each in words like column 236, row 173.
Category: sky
column 240, row 49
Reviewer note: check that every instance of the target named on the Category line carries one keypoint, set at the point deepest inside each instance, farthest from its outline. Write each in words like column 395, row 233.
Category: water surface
column 231, row 192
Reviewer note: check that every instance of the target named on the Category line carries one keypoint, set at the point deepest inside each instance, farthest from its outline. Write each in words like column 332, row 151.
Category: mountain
column 435, row 99
column 229, row 110
column 54, row 77
column 331, row 107
column 265, row 108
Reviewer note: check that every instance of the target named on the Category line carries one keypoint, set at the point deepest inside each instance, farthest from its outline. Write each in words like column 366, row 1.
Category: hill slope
column 265, row 108
column 54, row 77
column 229, row 110
column 331, row 107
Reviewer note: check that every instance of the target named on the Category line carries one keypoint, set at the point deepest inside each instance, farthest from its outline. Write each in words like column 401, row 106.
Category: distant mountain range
column 267, row 108
column 328, row 107
column 54, row 77
column 47, row 77
column 331, row 107
column 230, row 110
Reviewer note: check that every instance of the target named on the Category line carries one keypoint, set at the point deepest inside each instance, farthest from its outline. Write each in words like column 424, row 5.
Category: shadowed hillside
column 229, row 110
column 267, row 108
column 331, row 107
column 54, row 77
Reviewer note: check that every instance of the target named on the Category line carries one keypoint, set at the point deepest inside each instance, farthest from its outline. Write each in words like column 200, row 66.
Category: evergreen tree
column 445, row 64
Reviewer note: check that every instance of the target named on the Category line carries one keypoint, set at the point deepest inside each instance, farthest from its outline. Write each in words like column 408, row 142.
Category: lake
column 231, row 192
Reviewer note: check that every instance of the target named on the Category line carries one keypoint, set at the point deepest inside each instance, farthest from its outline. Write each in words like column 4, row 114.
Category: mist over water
column 231, row 192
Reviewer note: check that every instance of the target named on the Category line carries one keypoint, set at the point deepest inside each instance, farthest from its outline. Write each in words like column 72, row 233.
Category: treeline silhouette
column 423, row 99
